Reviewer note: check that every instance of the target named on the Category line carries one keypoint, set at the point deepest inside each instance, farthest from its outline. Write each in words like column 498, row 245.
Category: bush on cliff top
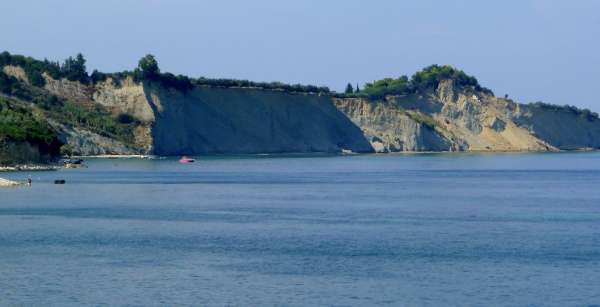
column 428, row 78
column 585, row 113
column 73, row 68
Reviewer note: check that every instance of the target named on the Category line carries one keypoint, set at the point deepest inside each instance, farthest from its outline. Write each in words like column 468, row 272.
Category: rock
column 5, row 183
column 17, row 72
column 451, row 118
column 87, row 143
column 391, row 128
column 497, row 124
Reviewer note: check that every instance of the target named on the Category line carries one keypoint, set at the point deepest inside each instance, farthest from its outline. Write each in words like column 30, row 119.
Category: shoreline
column 56, row 167
column 342, row 154
column 29, row 168
column 5, row 183
column 117, row 157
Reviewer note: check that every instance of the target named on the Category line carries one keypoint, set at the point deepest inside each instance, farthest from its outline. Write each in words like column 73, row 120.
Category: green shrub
column 18, row 124
column 73, row 68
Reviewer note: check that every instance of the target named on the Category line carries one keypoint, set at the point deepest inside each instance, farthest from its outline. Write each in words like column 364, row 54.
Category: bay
column 316, row 230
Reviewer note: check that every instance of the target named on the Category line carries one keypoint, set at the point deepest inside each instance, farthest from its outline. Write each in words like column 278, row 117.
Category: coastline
column 342, row 153
column 29, row 168
column 117, row 157
column 55, row 167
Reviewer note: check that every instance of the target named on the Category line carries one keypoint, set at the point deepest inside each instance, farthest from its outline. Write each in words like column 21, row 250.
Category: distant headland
column 49, row 109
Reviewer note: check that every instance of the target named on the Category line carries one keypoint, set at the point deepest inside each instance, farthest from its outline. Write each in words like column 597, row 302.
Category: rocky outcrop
column 15, row 71
column 87, row 143
column 206, row 120
column 565, row 128
column 5, row 183
column 120, row 97
column 128, row 97
column 481, row 121
column 449, row 118
column 124, row 96
column 390, row 128
column 71, row 90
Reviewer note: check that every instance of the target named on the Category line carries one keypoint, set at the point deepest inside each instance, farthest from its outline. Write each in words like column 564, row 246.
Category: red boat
column 186, row 160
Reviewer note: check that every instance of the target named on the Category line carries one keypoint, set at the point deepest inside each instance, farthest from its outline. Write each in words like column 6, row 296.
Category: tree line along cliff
column 145, row 111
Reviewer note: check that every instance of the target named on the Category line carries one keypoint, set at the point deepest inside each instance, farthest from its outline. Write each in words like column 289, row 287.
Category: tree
column 97, row 76
column 74, row 69
column 357, row 89
column 349, row 89
column 148, row 67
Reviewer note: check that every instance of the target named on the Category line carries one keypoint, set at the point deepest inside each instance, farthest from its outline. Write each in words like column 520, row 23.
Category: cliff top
column 74, row 69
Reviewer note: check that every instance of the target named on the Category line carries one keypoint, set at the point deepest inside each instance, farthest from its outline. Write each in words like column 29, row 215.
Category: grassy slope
column 93, row 118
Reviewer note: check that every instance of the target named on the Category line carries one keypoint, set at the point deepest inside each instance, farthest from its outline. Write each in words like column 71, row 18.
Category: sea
column 455, row 229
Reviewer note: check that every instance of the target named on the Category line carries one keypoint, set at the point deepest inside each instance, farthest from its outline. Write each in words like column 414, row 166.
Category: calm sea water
column 396, row 230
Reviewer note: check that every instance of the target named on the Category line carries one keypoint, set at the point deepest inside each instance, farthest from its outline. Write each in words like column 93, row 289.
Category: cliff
column 218, row 120
column 211, row 120
column 391, row 128
column 455, row 118
column 208, row 120
column 440, row 109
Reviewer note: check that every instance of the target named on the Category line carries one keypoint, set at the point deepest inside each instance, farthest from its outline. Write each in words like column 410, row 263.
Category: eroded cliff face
column 212, row 120
column 457, row 119
column 244, row 120
column 218, row 120
column 390, row 128
column 119, row 97
column 481, row 121
column 124, row 96
column 562, row 128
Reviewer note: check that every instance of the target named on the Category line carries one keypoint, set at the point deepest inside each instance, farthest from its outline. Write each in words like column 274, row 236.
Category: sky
column 532, row 50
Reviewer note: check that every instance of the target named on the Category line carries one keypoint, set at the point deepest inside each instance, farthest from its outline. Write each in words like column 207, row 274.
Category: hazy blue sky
column 531, row 49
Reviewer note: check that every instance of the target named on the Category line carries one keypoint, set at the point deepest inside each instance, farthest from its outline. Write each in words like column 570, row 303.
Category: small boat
column 73, row 163
column 186, row 160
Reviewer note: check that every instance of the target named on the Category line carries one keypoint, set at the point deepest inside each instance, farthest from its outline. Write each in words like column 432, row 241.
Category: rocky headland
column 149, row 113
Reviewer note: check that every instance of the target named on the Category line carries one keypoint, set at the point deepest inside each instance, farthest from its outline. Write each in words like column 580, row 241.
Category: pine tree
column 148, row 66
column 74, row 69
column 349, row 89
column 357, row 89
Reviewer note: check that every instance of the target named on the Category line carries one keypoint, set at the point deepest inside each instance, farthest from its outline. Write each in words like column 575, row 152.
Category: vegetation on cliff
column 90, row 117
column 73, row 68
column 18, row 124
column 428, row 78
column 148, row 70
column 584, row 113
